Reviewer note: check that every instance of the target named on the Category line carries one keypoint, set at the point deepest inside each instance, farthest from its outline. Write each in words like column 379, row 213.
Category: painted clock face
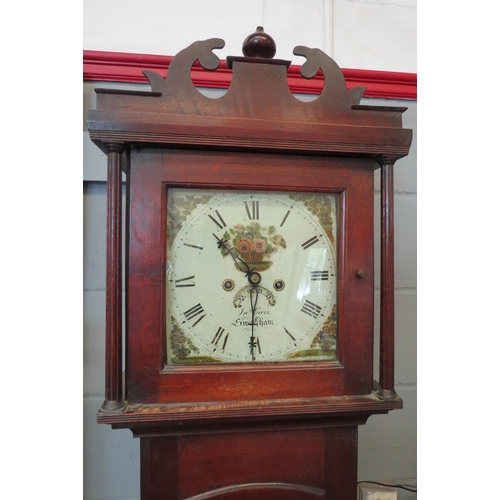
column 251, row 277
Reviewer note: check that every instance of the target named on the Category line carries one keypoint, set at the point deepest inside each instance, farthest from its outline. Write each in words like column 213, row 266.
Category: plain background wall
column 379, row 36
column 376, row 35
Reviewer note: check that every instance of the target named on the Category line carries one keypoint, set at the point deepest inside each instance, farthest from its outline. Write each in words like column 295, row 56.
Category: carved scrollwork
column 179, row 73
column 259, row 90
column 335, row 87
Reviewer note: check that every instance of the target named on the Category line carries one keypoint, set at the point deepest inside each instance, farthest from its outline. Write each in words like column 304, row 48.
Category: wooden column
column 113, row 386
column 386, row 388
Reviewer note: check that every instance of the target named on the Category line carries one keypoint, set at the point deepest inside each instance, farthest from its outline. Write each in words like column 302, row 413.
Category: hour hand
column 240, row 264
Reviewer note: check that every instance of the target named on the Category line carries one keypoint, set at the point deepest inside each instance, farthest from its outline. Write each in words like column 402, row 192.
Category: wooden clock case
column 273, row 430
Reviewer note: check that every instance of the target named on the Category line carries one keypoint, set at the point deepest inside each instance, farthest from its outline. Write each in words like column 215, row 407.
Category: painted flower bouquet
column 255, row 244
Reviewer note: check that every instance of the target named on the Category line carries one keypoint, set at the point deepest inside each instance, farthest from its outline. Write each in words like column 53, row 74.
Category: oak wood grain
column 273, row 430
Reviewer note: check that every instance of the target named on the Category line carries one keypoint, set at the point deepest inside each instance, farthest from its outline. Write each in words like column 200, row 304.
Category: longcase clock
column 249, row 287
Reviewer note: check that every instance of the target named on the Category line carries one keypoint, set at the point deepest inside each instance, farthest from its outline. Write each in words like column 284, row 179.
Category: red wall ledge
column 125, row 67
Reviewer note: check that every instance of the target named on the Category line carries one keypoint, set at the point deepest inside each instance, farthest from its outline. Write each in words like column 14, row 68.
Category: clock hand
column 253, row 307
column 221, row 244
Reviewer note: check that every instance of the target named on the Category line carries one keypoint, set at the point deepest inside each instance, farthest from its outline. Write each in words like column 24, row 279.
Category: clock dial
column 251, row 276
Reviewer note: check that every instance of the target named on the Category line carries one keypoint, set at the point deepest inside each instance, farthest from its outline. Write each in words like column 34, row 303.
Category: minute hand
column 253, row 306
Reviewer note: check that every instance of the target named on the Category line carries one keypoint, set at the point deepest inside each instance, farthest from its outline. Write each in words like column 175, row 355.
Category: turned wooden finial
column 259, row 44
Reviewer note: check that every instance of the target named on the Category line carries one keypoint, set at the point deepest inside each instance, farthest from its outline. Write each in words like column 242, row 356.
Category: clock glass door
column 251, row 277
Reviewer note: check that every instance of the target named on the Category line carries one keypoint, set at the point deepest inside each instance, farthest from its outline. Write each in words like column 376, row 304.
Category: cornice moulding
column 127, row 68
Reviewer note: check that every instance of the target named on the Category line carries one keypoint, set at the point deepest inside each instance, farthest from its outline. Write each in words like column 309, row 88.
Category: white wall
column 358, row 34
column 378, row 35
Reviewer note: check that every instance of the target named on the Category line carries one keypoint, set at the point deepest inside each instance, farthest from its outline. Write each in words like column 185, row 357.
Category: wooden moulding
column 175, row 113
column 178, row 417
